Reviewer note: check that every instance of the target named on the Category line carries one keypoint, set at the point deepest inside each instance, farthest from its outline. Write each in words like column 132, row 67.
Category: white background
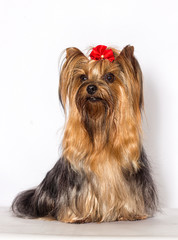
column 33, row 33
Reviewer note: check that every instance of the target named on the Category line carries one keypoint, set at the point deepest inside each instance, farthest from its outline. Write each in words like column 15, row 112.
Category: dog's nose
column 91, row 89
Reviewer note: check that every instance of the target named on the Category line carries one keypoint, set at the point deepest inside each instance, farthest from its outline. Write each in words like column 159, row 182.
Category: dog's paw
column 133, row 218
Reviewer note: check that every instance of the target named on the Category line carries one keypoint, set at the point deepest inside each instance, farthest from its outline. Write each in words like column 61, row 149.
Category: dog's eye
column 83, row 77
column 109, row 77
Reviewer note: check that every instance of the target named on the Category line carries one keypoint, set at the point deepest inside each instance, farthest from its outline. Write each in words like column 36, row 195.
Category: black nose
column 91, row 89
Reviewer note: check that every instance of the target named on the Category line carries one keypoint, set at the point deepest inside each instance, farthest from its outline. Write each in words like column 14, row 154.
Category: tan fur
column 103, row 173
column 107, row 196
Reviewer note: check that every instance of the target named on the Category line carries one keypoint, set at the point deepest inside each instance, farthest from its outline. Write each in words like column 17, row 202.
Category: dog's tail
column 24, row 205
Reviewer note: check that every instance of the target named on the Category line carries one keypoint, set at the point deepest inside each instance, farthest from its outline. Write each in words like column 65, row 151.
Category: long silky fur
column 52, row 195
column 104, row 173
column 142, row 181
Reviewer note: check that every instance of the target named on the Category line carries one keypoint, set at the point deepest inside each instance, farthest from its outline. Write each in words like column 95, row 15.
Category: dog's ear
column 72, row 51
column 127, row 52
column 73, row 57
column 133, row 73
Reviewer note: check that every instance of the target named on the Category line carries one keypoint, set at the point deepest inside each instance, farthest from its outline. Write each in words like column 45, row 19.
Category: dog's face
column 103, row 93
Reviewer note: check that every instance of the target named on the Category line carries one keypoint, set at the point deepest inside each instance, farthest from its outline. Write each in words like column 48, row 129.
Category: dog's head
column 103, row 94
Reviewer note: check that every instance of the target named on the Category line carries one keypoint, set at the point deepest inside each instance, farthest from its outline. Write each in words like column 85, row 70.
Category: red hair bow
column 100, row 52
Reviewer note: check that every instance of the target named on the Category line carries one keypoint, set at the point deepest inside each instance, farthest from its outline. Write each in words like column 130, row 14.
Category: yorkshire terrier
column 103, row 174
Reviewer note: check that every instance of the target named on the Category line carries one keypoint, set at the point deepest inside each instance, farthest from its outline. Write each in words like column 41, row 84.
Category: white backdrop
column 33, row 33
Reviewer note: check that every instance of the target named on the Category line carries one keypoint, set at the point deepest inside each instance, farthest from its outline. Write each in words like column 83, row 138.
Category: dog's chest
column 102, row 194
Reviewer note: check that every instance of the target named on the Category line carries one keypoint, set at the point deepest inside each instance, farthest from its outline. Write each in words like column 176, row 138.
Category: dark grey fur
column 53, row 195
column 143, row 180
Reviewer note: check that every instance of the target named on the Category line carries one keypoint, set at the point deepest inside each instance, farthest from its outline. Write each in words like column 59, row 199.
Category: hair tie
column 101, row 52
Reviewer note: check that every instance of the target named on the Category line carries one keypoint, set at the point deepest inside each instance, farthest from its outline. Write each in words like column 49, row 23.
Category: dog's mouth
column 94, row 99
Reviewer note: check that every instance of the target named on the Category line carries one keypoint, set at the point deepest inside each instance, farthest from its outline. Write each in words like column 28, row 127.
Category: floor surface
column 163, row 225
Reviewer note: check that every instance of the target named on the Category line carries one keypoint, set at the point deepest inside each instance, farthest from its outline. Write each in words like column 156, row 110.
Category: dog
column 103, row 174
